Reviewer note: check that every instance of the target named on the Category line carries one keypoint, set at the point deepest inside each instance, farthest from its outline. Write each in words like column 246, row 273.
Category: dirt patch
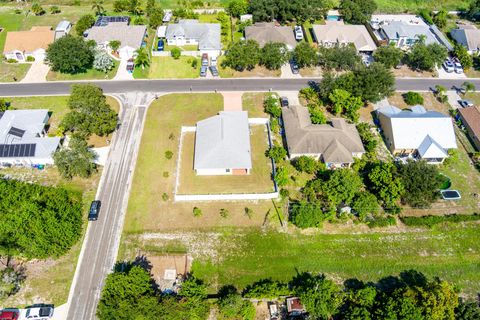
column 232, row 101
column 168, row 268
column 261, row 309
column 406, row 72
column 429, row 102
column 311, row 72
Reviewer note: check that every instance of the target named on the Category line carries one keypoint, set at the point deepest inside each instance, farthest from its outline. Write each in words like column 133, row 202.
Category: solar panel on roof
column 105, row 20
column 17, row 150
column 16, row 132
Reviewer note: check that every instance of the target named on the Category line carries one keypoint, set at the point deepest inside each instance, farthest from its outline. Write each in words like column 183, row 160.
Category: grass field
column 146, row 209
column 240, row 258
column 91, row 74
column 400, row 6
column 258, row 181
column 168, row 68
column 253, row 103
column 9, row 71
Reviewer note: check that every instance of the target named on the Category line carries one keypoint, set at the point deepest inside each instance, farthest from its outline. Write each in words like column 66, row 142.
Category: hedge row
column 430, row 221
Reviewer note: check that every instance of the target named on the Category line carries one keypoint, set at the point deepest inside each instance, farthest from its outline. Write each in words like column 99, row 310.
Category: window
column 227, row 170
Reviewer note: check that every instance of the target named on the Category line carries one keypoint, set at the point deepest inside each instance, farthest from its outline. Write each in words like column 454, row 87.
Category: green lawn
column 253, row 103
column 91, row 74
column 258, row 181
column 167, row 67
column 9, row 71
column 182, row 48
column 401, row 6
column 451, row 253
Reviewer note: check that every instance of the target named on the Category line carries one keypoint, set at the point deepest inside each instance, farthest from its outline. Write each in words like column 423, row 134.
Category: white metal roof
column 223, row 142
column 161, row 31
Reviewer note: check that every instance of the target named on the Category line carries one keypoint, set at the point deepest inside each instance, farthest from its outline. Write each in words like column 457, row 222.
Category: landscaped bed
column 91, row 74
column 258, row 181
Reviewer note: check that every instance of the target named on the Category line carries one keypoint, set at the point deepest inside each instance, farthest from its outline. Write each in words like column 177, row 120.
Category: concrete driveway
column 442, row 74
column 453, row 98
column 232, row 101
column 292, row 97
column 122, row 73
column 287, row 72
column 37, row 72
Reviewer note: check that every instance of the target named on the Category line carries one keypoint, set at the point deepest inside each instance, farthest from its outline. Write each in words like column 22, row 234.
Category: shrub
column 284, row 193
column 272, row 106
column 306, row 164
column 194, row 63
column 307, row 215
column 197, row 212
column 430, row 221
column 165, row 174
column 379, row 222
column 266, row 289
column 12, row 61
column 168, row 154
column 224, row 213
column 277, row 153
column 176, row 53
column 164, row 196
column 30, row 59
column 282, row 177
column 10, row 281
column 54, row 10
column 248, row 212
column 413, row 98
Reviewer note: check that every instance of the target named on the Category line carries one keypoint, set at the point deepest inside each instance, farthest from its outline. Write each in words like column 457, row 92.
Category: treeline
column 130, row 291
column 38, row 221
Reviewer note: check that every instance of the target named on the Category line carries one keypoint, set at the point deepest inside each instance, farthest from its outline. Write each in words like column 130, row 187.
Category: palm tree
column 97, row 6
column 468, row 86
column 142, row 58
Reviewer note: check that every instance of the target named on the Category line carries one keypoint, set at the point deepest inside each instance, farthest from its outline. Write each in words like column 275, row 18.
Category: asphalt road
column 199, row 85
column 103, row 236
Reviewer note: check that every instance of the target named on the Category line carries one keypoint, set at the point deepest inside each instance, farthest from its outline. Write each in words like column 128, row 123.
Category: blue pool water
column 333, row 18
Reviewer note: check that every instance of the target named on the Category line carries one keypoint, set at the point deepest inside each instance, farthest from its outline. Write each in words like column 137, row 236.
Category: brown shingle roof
column 28, row 41
column 336, row 142
column 471, row 116
column 267, row 32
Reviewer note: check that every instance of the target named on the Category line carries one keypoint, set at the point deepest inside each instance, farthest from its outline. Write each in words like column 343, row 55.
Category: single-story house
column 467, row 36
column 131, row 37
column 295, row 307
column 222, row 145
column 191, row 32
column 404, row 35
column 336, row 144
column 266, row 32
column 22, row 44
column 330, row 35
column 63, row 28
column 23, row 139
column 470, row 118
column 418, row 132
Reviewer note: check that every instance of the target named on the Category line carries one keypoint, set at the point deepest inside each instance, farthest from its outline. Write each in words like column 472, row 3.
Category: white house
column 23, row 139
column 22, row 44
column 222, row 145
column 131, row 37
column 190, row 32
column 424, row 134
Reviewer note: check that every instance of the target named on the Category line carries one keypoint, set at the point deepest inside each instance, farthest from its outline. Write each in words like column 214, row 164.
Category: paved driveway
column 287, row 72
column 453, row 98
column 122, row 73
column 232, row 101
column 37, row 72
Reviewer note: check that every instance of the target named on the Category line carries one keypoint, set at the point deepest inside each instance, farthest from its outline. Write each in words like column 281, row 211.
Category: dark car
column 130, row 65
column 203, row 71
column 214, row 71
column 160, row 45
column 294, row 67
column 205, row 60
column 284, row 101
column 465, row 103
column 94, row 210
column 9, row 314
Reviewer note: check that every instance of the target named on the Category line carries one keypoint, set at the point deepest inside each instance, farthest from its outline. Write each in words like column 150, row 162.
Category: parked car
column 448, row 66
column 294, row 66
column 130, row 65
column 205, row 59
column 94, row 210
column 9, row 314
column 214, row 71
column 458, row 67
column 298, row 33
column 213, row 61
column 465, row 103
column 284, row 101
column 39, row 312
column 203, row 71
column 160, row 45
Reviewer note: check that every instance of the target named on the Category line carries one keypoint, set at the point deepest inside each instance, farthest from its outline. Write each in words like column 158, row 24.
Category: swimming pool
column 333, row 18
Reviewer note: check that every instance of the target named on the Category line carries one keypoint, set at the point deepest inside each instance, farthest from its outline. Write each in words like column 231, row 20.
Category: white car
column 448, row 66
column 39, row 312
column 298, row 33
column 213, row 61
column 458, row 67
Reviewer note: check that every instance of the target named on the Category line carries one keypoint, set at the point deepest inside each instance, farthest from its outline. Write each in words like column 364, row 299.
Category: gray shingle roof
column 396, row 29
column 356, row 34
column 223, row 142
column 207, row 34
column 267, row 32
column 469, row 38
column 336, row 142
column 131, row 36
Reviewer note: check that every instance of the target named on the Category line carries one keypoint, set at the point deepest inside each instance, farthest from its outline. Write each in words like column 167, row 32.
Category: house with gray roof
column 404, row 35
column 222, row 145
column 467, row 36
column 417, row 132
column 206, row 36
column 23, row 139
column 131, row 37
column 265, row 32
column 337, row 143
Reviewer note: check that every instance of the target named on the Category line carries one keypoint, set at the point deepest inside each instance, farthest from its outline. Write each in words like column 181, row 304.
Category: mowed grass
column 258, row 181
column 401, row 6
column 253, row 103
column 168, row 68
column 90, row 74
column 155, row 174
column 11, row 71
column 452, row 253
